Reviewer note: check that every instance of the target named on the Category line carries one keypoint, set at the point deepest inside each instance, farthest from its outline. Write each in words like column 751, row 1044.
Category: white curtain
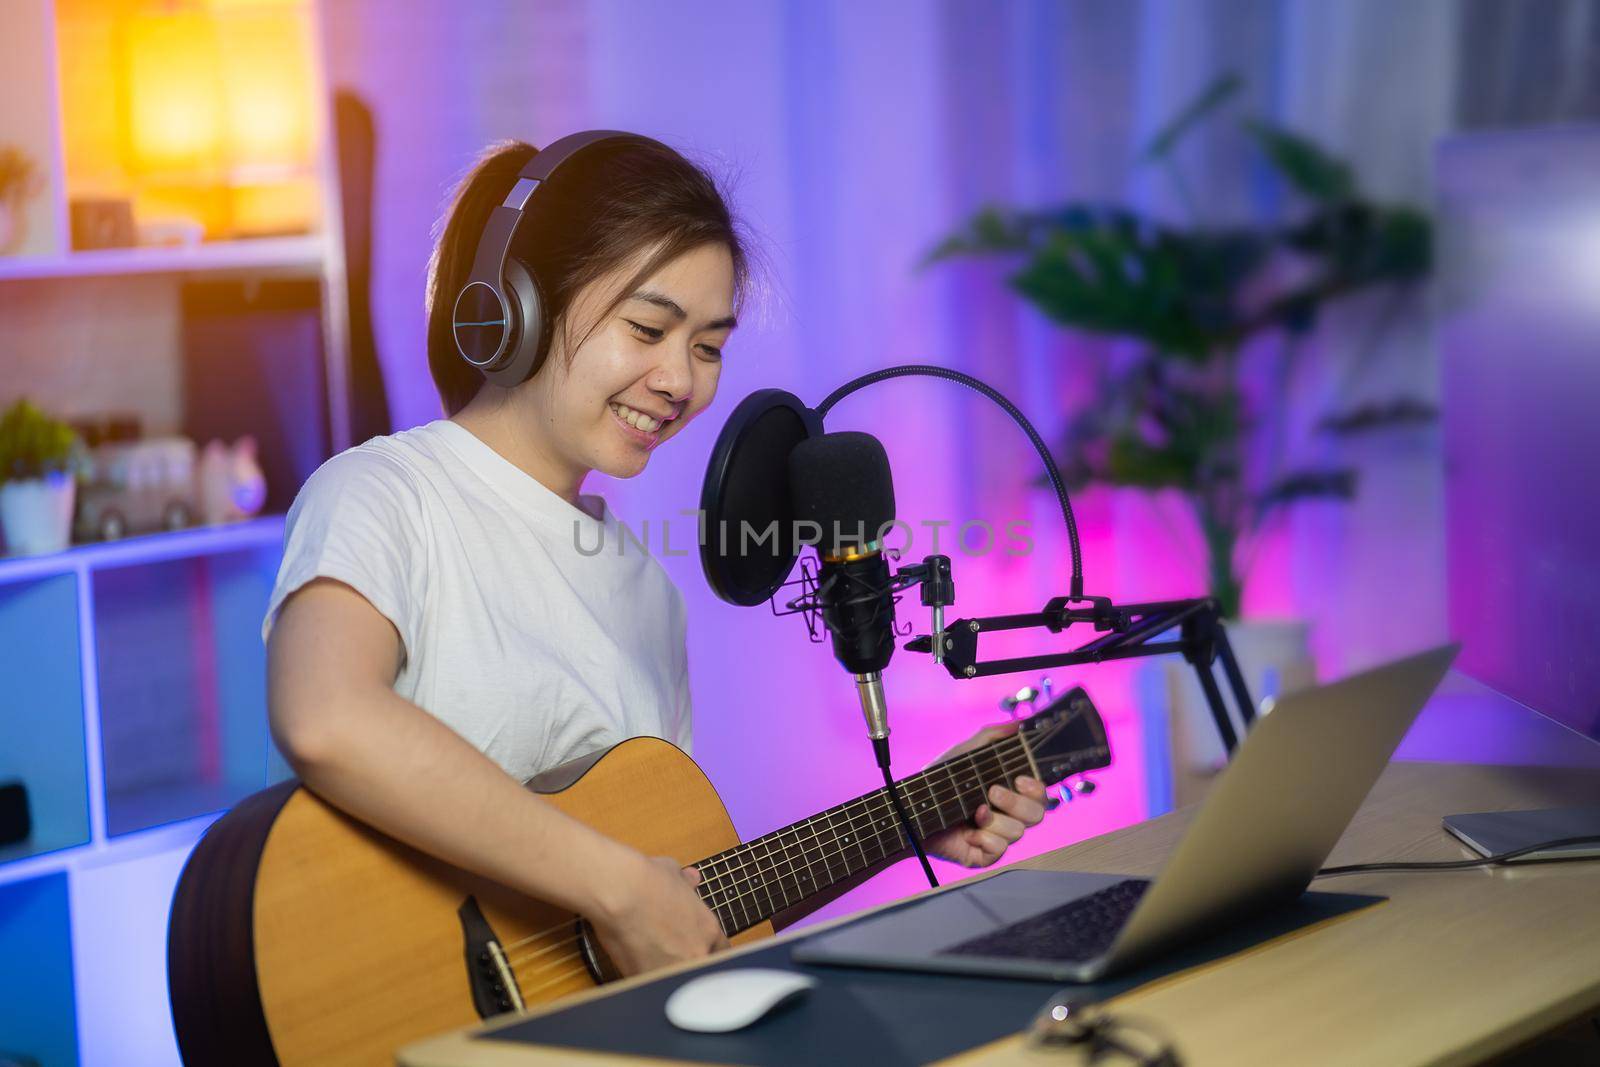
column 860, row 132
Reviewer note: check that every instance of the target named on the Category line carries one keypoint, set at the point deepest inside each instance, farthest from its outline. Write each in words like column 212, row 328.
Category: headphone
column 498, row 316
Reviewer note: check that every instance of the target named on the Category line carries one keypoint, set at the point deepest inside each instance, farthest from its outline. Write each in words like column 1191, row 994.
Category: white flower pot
column 36, row 514
column 1182, row 748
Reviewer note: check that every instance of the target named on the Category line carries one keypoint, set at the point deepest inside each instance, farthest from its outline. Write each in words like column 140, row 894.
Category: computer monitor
column 1519, row 348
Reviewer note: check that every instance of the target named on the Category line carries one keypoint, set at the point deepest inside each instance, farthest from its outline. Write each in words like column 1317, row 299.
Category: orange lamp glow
column 221, row 114
column 174, row 94
column 269, row 89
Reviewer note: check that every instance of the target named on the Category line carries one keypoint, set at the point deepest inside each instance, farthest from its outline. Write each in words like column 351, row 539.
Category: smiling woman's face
column 644, row 371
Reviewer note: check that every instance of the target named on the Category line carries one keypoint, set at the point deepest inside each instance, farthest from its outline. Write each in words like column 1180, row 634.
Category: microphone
column 774, row 468
column 840, row 484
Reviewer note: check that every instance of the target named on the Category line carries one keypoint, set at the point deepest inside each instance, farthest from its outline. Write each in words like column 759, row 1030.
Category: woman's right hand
column 654, row 917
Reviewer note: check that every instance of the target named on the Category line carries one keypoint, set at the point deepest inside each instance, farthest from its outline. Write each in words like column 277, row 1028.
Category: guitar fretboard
column 757, row 879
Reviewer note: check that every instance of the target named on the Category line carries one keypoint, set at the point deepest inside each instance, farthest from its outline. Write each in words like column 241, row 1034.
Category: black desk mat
column 882, row 1018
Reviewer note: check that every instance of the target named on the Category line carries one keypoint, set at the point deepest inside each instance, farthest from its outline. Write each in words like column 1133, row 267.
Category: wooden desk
column 1455, row 967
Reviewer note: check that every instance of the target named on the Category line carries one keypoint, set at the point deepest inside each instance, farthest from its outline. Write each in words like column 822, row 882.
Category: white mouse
column 731, row 1000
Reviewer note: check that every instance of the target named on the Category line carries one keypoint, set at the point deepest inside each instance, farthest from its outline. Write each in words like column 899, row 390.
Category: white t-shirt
column 534, row 630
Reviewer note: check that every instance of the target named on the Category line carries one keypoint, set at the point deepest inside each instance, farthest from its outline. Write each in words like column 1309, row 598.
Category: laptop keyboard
column 1081, row 929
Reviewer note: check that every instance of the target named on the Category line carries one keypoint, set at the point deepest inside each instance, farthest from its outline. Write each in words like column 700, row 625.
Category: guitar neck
column 757, row 879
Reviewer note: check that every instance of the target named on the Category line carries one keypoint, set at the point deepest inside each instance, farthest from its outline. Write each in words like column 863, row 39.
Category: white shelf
column 303, row 253
column 182, row 834
column 152, row 548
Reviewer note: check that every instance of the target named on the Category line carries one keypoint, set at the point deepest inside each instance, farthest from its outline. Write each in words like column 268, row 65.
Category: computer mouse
column 731, row 1000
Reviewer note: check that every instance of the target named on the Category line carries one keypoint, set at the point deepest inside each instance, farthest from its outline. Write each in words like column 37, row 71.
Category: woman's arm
column 331, row 661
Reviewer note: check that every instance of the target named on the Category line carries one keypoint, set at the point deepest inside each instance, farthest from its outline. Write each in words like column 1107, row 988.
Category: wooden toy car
column 137, row 487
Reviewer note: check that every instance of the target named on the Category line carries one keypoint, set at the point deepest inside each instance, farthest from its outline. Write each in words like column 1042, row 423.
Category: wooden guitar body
column 300, row 935
column 355, row 943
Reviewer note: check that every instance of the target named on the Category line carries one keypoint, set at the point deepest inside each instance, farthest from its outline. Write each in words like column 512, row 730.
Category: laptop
column 1257, row 841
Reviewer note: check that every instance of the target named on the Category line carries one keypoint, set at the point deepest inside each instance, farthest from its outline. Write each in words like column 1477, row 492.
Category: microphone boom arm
column 1128, row 631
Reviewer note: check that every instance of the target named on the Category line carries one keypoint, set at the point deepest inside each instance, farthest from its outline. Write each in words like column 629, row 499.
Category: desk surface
column 1454, row 967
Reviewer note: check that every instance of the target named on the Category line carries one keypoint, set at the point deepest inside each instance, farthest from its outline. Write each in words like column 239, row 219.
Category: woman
column 436, row 637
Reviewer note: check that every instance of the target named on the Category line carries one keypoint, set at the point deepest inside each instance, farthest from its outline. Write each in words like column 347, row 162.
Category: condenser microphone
column 841, row 485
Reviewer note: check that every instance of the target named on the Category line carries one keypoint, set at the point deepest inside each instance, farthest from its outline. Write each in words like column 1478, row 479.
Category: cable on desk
column 1484, row 861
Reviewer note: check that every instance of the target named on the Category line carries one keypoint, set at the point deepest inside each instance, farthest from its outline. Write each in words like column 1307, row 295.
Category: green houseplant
column 1178, row 413
column 37, row 459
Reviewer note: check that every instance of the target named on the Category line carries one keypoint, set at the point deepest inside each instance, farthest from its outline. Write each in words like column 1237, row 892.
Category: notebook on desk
column 1490, row 833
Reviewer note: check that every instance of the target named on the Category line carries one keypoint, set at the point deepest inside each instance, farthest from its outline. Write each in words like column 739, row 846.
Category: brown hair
column 597, row 211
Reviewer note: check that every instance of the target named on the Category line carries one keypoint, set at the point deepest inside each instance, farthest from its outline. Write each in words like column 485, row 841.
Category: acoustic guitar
column 302, row 936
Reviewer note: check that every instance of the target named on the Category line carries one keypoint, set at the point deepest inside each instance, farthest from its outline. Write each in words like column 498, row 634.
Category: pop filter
column 748, row 544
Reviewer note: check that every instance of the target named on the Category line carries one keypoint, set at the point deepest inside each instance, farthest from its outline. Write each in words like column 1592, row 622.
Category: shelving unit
column 69, row 642
column 293, row 254
column 132, row 674
column 134, row 713
column 59, row 104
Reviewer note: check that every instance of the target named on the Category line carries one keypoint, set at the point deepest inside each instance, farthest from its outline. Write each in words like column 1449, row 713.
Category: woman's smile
column 648, row 438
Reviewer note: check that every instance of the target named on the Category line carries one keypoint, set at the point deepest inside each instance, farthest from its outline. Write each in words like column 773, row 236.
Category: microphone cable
column 863, row 592
column 880, row 748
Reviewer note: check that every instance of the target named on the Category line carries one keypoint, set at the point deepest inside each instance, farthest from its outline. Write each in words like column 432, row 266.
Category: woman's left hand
column 994, row 825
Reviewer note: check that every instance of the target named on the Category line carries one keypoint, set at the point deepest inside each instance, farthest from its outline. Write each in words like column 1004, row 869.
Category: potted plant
column 37, row 487
column 19, row 179
column 1178, row 412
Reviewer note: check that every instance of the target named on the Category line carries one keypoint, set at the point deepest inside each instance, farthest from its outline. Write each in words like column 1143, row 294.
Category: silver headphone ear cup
column 527, row 312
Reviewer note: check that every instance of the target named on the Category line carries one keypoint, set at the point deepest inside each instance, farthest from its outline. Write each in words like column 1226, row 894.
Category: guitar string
column 877, row 836
column 564, row 958
column 757, row 882
column 1001, row 750
column 516, row 961
column 713, row 882
column 877, row 812
column 874, row 807
column 568, row 957
column 716, row 882
column 922, row 781
column 1002, row 759
column 568, row 976
column 1008, row 761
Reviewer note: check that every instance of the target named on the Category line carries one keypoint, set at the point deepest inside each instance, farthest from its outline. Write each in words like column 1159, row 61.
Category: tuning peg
column 1026, row 695
column 1078, row 787
column 1029, row 695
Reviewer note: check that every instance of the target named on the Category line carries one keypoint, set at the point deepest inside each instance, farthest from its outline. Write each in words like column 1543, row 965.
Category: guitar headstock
column 1068, row 737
